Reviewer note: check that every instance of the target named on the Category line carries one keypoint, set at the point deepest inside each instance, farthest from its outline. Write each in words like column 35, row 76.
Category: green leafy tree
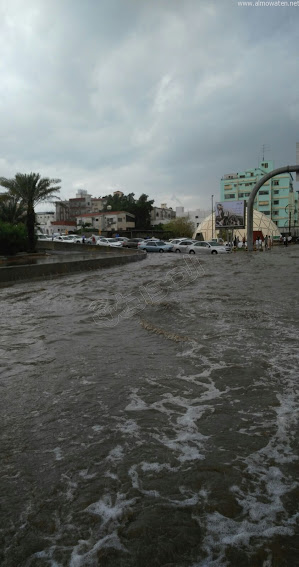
column 11, row 210
column 13, row 238
column 31, row 189
column 142, row 211
column 141, row 207
column 180, row 226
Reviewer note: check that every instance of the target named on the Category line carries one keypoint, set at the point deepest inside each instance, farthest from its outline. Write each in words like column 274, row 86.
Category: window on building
column 246, row 194
column 276, row 202
column 275, row 212
column 241, row 194
column 266, row 212
column 264, row 203
column 229, row 196
column 275, row 182
column 264, row 165
column 119, row 219
column 251, row 174
column 227, row 187
column 276, row 192
column 264, row 192
column 242, row 176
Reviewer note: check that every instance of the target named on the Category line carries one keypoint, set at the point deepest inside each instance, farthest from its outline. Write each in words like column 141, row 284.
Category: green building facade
column 276, row 198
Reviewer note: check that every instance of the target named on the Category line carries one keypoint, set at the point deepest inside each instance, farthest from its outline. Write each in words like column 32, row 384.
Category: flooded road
column 149, row 415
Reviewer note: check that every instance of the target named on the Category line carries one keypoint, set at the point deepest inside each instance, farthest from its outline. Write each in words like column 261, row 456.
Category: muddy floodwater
column 149, row 415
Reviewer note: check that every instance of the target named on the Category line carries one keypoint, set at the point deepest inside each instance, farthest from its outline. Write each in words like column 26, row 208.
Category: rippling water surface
column 149, row 415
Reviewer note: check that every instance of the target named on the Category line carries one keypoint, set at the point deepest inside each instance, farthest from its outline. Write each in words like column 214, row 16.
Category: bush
column 13, row 238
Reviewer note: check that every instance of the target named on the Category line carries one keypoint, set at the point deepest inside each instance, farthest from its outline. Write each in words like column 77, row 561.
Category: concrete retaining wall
column 24, row 272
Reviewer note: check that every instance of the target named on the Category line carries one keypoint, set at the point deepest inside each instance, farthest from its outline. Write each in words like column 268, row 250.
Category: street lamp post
column 212, row 217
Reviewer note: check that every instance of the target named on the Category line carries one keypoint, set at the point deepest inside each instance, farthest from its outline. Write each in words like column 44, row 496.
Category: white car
column 182, row 246
column 109, row 242
column 207, row 248
column 66, row 238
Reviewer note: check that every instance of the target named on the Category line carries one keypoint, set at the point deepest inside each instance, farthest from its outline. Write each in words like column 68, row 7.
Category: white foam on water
column 80, row 558
column 86, row 475
column 116, row 454
column 47, row 554
column 137, row 484
column 97, row 428
column 260, row 497
column 109, row 474
column 129, row 427
column 58, row 453
column 136, row 404
column 156, row 467
column 110, row 509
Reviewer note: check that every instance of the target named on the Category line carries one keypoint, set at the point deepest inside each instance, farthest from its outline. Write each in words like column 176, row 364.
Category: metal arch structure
column 286, row 169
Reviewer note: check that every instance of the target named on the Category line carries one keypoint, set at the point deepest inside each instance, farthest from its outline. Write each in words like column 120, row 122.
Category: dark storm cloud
column 162, row 97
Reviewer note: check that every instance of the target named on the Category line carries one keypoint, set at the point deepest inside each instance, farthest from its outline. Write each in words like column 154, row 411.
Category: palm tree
column 11, row 210
column 30, row 190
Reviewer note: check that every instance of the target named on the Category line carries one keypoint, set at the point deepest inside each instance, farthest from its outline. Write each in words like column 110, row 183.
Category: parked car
column 64, row 238
column 178, row 240
column 132, row 242
column 207, row 248
column 121, row 238
column 226, row 246
column 109, row 242
column 155, row 246
column 183, row 245
column 44, row 237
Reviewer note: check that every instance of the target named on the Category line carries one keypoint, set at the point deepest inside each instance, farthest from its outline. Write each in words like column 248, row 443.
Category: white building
column 108, row 221
column 196, row 216
column 44, row 221
column 162, row 215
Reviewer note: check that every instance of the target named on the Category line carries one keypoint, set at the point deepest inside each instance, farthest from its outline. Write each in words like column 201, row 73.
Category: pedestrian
column 260, row 244
column 244, row 240
column 269, row 243
column 257, row 243
column 83, row 239
column 266, row 242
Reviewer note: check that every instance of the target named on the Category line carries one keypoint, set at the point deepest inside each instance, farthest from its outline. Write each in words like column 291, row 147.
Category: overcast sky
column 154, row 96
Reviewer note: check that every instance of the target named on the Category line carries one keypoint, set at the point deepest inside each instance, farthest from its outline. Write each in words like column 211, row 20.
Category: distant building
column 97, row 204
column 108, row 221
column 196, row 216
column 162, row 215
column 275, row 199
column 63, row 227
column 69, row 210
column 44, row 220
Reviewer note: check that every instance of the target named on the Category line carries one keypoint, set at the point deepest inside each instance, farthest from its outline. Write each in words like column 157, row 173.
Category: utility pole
column 212, row 217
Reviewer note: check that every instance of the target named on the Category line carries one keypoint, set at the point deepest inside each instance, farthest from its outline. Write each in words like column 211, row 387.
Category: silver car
column 183, row 245
column 207, row 248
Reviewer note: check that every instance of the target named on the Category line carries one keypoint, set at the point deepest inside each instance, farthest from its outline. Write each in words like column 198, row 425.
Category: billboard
column 230, row 215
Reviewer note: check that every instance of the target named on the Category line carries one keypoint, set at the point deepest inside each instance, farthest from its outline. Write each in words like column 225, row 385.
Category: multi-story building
column 196, row 216
column 44, row 220
column 69, row 210
column 276, row 198
column 108, row 221
column 162, row 215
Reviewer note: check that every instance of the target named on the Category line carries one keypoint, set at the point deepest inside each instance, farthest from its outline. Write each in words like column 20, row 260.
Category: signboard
column 297, row 160
column 230, row 215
